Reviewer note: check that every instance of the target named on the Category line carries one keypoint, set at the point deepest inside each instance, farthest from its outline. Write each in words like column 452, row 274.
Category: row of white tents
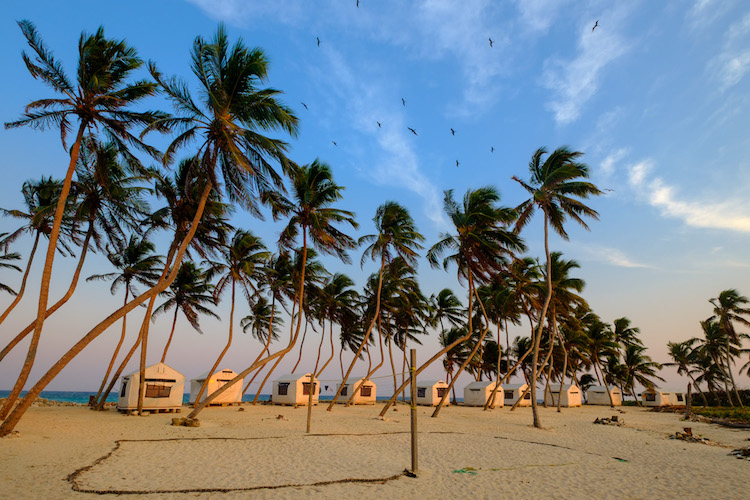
column 164, row 388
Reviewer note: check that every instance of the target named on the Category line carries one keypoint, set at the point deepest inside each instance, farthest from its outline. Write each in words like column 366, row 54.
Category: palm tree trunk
column 171, row 333
column 13, row 396
column 731, row 376
column 23, row 280
column 507, row 376
column 301, row 344
column 117, row 349
column 371, row 372
column 266, row 345
column 226, row 348
column 528, row 389
column 333, row 352
column 365, row 339
column 313, row 379
column 393, row 365
column 697, row 387
column 565, row 369
column 12, row 420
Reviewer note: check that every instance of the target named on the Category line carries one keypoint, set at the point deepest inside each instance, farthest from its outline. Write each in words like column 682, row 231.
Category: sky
column 656, row 97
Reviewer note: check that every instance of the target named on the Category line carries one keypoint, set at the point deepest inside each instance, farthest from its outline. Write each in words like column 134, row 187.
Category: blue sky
column 656, row 97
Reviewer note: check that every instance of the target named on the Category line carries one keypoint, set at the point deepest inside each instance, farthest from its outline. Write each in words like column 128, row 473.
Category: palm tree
column 262, row 321
column 99, row 101
column 446, row 306
column 684, row 357
column 554, row 187
column 136, row 263
column 728, row 310
column 5, row 259
column 638, row 367
column 336, row 302
column 243, row 263
column 454, row 354
column 397, row 235
column 480, row 247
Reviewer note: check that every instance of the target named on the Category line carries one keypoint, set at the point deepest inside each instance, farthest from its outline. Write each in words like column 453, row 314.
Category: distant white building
column 163, row 389
column 478, row 393
column 364, row 392
column 294, row 389
column 656, row 397
column 571, row 395
column 430, row 392
column 597, row 395
column 512, row 392
column 216, row 381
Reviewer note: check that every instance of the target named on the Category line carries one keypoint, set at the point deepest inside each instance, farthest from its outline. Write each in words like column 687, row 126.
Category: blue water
column 83, row 396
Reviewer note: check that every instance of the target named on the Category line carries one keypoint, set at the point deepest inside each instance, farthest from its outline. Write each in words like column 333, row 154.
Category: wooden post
column 413, row 402
column 689, row 401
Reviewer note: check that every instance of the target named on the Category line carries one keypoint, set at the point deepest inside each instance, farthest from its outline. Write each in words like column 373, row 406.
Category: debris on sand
column 741, row 453
column 687, row 435
column 614, row 420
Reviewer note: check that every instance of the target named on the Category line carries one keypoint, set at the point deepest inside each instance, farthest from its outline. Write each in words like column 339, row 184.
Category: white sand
column 239, row 451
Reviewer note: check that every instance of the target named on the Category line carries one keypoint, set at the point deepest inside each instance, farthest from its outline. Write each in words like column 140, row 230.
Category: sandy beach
column 65, row 452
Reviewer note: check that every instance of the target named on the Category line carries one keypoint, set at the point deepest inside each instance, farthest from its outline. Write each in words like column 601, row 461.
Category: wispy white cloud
column 574, row 82
column 729, row 214
column 612, row 256
column 733, row 62
column 538, row 15
column 703, row 13
column 609, row 163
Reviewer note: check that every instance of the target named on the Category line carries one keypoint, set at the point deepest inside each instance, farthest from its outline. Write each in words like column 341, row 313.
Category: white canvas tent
column 478, row 393
column 571, row 395
column 597, row 395
column 511, row 393
column 293, row 389
column 163, row 389
column 364, row 392
column 430, row 392
column 655, row 397
column 216, row 381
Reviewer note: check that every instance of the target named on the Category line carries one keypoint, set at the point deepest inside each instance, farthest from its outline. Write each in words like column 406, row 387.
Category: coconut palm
column 99, row 100
column 729, row 310
column 136, row 264
column 684, row 357
column 638, row 367
column 554, row 187
column 480, row 247
column 262, row 322
column 242, row 263
column 336, row 303
column 397, row 235
column 5, row 258
column 446, row 306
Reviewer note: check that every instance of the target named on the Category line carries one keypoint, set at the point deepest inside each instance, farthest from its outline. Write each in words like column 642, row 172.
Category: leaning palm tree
column 136, row 264
column 638, row 367
column 554, row 187
column 397, row 235
column 479, row 247
column 242, row 263
column 99, row 100
column 684, row 359
column 729, row 309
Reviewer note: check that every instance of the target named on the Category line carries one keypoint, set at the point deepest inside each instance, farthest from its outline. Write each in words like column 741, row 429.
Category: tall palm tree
column 729, row 310
column 397, row 235
column 638, row 367
column 243, row 262
column 554, row 187
column 136, row 264
column 684, row 357
column 337, row 301
column 479, row 247
column 99, row 100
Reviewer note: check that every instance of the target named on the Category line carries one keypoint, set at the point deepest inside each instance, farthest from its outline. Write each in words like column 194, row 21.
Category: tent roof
column 150, row 370
column 231, row 374
column 566, row 387
column 514, row 386
column 601, row 388
column 293, row 377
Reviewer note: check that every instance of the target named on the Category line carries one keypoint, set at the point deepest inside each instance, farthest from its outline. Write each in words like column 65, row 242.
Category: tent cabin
column 163, row 389
column 511, row 393
column 655, row 397
column 478, row 393
column 294, row 389
column 430, row 392
column 678, row 399
column 364, row 392
column 597, row 395
column 216, row 381
column 571, row 395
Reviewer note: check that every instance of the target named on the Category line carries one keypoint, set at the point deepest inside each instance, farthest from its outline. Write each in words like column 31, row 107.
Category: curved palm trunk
column 171, row 334
column 117, row 350
column 508, row 375
column 365, row 339
column 393, row 365
column 301, row 345
column 313, row 379
column 333, row 352
column 731, row 376
column 528, row 389
column 372, row 371
column 12, row 420
column 697, row 387
column 265, row 346
column 23, row 280
column 720, row 364
column 562, row 375
column 221, row 356
column 606, row 387
column 24, row 375
column 103, row 398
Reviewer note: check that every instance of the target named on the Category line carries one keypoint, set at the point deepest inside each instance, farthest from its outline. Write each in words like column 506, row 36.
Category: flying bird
column 492, row 149
column 305, row 105
column 379, row 125
column 357, row 6
column 595, row 25
column 456, row 163
column 412, row 130
column 403, row 102
column 318, row 39
column 490, row 42
column 453, row 132
column 334, row 143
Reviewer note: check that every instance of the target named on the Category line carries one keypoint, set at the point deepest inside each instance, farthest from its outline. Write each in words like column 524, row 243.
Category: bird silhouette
column 453, row 132
column 305, row 105
column 412, row 130
column 357, row 3
column 595, row 25
column 379, row 126
column 492, row 149
column 456, row 163
column 403, row 102
column 490, row 42
column 318, row 39
column 334, row 143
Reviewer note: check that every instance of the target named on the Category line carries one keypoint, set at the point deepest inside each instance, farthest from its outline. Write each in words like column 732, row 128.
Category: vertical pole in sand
column 689, row 401
column 413, row 402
